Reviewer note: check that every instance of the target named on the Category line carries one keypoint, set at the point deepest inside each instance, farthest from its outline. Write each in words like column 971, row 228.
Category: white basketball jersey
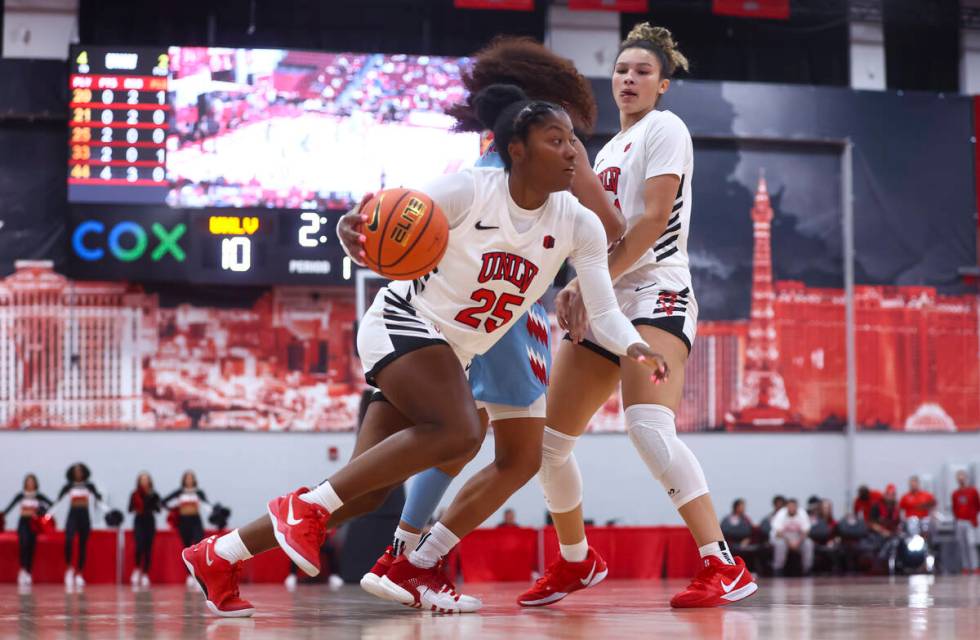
column 659, row 144
column 492, row 273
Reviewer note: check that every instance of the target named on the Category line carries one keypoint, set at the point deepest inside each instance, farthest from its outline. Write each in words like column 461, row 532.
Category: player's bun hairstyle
column 538, row 71
column 493, row 101
column 86, row 473
column 506, row 110
column 660, row 42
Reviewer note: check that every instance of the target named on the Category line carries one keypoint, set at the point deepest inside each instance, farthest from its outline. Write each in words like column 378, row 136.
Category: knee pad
column 654, row 435
column 559, row 475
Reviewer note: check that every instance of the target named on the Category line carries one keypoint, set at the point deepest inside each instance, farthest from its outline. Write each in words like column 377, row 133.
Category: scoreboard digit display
column 215, row 246
column 218, row 165
column 118, row 125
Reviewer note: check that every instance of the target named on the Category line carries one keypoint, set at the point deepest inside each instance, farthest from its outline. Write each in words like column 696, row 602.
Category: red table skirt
column 100, row 566
column 486, row 555
column 506, row 554
column 49, row 557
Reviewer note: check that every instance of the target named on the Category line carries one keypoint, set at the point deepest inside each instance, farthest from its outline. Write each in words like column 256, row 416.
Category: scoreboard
column 121, row 226
column 118, row 125
column 206, row 246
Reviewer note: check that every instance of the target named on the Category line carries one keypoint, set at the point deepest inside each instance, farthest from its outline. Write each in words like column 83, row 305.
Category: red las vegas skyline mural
column 101, row 355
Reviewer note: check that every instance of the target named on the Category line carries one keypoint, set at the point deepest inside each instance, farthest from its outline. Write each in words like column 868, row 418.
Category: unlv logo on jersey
column 610, row 182
column 610, row 179
column 500, row 265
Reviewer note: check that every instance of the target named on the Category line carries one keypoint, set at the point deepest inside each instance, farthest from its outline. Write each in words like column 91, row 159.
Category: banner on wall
column 916, row 325
column 623, row 6
column 766, row 256
column 107, row 355
column 766, row 260
column 772, row 9
column 503, row 5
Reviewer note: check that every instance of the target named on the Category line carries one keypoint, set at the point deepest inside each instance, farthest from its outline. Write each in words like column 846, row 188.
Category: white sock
column 434, row 545
column 325, row 496
column 575, row 552
column 231, row 548
column 405, row 541
column 719, row 550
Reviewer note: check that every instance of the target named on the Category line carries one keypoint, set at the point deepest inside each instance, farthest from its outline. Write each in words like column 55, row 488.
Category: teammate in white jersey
column 511, row 230
column 647, row 168
column 510, row 380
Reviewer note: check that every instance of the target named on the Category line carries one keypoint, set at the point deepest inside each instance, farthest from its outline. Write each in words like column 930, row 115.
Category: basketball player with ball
column 510, row 380
column 509, row 232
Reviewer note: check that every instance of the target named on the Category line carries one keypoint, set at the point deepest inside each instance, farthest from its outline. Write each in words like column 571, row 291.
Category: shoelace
column 441, row 581
column 701, row 580
column 318, row 532
column 236, row 574
column 548, row 573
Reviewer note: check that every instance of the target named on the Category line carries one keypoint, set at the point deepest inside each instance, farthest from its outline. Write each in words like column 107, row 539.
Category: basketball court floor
column 852, row 607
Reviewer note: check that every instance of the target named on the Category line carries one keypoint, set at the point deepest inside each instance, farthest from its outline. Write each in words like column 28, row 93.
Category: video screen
column 305, row 130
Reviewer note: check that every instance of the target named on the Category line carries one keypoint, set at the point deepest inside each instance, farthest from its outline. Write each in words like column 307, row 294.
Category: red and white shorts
column 659, row 297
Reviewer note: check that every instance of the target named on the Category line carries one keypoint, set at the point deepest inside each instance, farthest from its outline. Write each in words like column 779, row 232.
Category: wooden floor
column 867, row 608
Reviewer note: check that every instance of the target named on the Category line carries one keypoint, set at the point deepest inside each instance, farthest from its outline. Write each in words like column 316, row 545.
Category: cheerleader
column 186, row 502
column 144, row 503
column 33, row 504
column 81, row 494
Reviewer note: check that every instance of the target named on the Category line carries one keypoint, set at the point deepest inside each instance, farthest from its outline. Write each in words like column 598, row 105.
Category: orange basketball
column 407, row 234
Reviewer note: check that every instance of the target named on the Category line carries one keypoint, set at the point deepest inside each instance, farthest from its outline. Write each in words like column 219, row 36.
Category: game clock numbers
column 176, row 158
column 315, row 232
column 119, row 116
column 306, row 249
column 209, row 246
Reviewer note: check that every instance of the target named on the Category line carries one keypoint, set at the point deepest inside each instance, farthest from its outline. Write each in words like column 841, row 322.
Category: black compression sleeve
column 17, row 498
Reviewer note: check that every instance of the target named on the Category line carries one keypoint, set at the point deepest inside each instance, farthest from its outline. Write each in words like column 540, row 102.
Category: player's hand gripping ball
column 405, row 234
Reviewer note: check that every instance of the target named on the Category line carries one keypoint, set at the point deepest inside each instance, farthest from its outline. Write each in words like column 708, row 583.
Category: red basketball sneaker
column 427, row 589
column 564, row 577
column 218, row 578
column 716, row 585
column 371, row 580
column 300, row 528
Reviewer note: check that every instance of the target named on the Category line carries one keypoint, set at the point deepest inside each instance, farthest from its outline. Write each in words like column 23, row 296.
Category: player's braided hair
column 660, row 42
column 506, row 110
column 538, row 71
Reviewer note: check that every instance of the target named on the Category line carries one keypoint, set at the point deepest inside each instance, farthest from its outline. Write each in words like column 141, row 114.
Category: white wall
column 867, row 55
column 892, row 457
column 39, row 28
column 244, row 470
column 970, row 62
column 590, row 39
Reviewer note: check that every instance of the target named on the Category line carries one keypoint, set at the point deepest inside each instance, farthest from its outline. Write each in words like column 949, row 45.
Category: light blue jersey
column 515, row 370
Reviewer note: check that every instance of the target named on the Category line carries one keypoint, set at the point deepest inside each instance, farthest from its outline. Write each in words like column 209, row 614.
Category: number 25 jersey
column 502, row 258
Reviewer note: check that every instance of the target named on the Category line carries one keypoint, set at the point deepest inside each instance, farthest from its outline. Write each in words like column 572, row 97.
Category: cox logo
column 127, row 241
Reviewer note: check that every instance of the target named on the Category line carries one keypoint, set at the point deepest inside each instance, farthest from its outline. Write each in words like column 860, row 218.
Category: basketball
column 406, row 234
